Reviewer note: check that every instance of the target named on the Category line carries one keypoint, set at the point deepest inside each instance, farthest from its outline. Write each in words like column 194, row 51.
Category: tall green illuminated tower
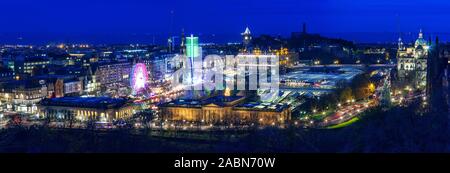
column 192, row 52
column 192, row 48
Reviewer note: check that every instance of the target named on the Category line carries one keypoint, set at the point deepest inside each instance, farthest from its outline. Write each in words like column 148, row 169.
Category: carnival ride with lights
column 140, row 87
column 139, row 78
column 143, row 92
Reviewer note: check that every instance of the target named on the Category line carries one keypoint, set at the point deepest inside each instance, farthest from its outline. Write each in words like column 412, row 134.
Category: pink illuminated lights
column 139, row 78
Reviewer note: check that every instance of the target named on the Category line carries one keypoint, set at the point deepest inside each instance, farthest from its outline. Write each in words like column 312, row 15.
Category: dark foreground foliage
column 397, row 130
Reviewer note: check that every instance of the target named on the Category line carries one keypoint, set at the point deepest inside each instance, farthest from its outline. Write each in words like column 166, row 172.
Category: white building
column 413, row 61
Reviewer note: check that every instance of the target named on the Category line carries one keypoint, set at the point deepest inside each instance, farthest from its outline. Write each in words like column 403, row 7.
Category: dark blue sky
column 352, row 19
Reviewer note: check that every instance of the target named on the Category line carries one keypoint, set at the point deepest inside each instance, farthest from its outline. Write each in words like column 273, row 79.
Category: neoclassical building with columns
column 225, row 110
column 85, row 108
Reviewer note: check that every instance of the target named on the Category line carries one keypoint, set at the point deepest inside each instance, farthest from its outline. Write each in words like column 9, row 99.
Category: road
column 346, row 113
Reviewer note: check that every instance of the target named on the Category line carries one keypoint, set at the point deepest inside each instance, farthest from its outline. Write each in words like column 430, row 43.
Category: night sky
column 218, row 20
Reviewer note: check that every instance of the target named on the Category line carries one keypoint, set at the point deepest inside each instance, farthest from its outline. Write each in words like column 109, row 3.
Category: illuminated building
column 59, row 88
column 225, row 109
column 132, row 53
column 316, row 81
column 304, row 28
column 170, row 44
column 286, row 58
column 90, row 83
column 161, row 66
column 27, row 64
column 246, row 37
column 139, row 78
column 244, row 73
column 109, row 74
column 413, row 60
column 192, row 47
column 270, row 67
column 193, row 51
column 22, row 96
column 73, row 87
column 6, row 74
column 62, row 85
column 183, row 43
column 85, row 108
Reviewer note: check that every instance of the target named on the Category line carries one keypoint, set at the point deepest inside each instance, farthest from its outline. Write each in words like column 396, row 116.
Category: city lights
column 179, row 85
column 139, row 78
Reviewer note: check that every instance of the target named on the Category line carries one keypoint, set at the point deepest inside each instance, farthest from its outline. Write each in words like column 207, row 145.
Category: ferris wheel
column 139, row 78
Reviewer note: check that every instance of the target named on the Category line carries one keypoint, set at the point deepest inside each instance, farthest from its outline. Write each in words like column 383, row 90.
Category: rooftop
column 277, row 107
column 316, row 76
column 218, row 100
column 20, row 84
column 85, row 102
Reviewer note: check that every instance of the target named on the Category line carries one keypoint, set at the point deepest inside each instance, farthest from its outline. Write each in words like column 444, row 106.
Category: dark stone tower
column 183, row 42
column 246, row 38
column 304, row 28
column 435, row 74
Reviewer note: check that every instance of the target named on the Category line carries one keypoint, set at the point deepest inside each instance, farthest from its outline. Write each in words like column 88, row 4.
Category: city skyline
column 265, row 76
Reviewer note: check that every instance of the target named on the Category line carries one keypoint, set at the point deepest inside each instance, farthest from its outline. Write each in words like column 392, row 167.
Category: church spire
column 400, row 44
column 246, row 37
column 183, row 42
column 247, row 31
column 420, row 34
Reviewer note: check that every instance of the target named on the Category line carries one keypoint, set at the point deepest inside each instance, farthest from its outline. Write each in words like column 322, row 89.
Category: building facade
column 225, row 110
column 26, row 65
column 246, row 38
column 85, row 108
column 413, row 61
column 160, row 67
column 110, row 74
column 22, row 96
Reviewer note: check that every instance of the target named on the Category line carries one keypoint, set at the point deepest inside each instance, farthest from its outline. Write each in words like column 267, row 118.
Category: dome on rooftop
column 420, row 41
